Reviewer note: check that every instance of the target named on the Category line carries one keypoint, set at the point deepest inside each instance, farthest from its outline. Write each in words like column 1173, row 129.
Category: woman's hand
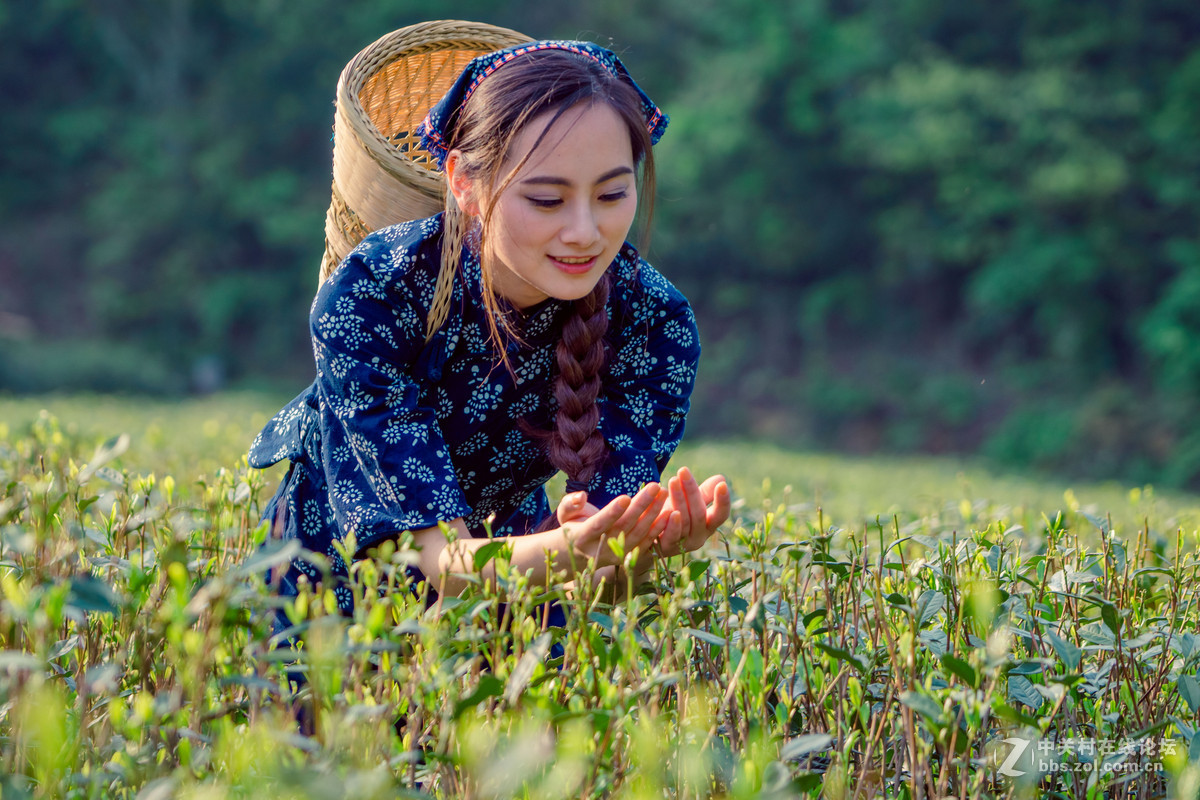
column 588, row 530
column 692, row 513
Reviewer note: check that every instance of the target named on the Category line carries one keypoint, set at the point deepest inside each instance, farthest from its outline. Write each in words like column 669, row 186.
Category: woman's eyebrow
column 553, row 181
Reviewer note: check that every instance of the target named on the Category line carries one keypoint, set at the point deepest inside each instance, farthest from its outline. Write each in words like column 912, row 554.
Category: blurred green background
column 906, row 226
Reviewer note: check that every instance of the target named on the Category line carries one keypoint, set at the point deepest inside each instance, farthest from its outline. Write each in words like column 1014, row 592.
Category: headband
column 437, row 125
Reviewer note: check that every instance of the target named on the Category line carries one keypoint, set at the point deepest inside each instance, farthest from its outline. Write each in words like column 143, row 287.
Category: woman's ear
column 461, row 186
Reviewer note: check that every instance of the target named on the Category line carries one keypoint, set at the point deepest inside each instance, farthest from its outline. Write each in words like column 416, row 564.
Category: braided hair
column 550, row 83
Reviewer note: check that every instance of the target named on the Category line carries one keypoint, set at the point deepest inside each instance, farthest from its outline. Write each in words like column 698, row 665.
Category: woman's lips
column 574, row 265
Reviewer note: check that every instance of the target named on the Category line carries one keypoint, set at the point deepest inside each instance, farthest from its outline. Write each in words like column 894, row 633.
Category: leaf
column 1108, row 612
column 274, row 553
column 489, row 686
column 104, row 453
column 1140, row 641
column 965, row 672
column 1067, row 652
column 487, row 552
column 65, row 646
column 820, row 613
column 831, row 563
column 803, row 745
column 1097, row 634
column 756, row 617
column 808, row 781
column 935, row 641
column 1184, row 644
column 842, row 655
column 704, row 636
column 89, row 593
column 697, row 568
column 923, row 704
column 12, row 660
column 1004, row 711
column 928, row 605
column 523, row 672
column 994, row 559
column 1022, row 690
column 1189, row 690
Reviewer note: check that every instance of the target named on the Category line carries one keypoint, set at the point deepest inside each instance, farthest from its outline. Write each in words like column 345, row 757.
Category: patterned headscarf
column 435, row 129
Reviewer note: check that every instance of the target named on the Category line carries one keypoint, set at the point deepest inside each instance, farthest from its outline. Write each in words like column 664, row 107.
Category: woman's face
column 561, row 220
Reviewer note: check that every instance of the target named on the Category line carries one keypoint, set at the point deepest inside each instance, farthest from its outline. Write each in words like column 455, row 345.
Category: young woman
column 465, row 359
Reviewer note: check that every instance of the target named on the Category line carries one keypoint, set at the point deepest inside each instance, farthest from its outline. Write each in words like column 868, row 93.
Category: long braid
column 576, row 445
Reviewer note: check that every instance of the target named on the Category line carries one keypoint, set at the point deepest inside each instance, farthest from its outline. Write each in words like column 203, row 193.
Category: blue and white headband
column 435, row 129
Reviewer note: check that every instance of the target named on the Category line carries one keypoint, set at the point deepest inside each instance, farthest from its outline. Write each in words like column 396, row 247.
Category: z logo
column 1018, row 749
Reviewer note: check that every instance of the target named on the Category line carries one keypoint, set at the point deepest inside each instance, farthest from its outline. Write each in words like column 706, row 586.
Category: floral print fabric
column 396, row 433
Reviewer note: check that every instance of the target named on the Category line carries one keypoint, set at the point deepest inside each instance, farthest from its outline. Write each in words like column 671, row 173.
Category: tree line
column 905, row 226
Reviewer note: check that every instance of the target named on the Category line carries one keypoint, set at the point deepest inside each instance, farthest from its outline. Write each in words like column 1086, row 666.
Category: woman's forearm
column 444, row 563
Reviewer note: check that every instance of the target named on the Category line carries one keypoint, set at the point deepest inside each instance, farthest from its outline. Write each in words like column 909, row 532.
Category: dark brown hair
column 548, row 82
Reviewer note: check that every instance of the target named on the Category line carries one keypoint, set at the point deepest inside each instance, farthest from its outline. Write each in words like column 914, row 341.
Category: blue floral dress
column 396, row 433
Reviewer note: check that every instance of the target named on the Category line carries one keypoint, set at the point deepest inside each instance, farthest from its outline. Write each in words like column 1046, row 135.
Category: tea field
column 884, row 627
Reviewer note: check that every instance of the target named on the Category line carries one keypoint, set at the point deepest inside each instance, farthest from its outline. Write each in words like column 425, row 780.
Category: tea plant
column 950, row 653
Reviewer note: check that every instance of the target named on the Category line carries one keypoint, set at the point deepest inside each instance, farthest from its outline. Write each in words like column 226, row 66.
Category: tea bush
column 960, row 648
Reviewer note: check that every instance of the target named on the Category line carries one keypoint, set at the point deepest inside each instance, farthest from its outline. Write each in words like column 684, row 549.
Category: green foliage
column 792, row 658
column 905, row 226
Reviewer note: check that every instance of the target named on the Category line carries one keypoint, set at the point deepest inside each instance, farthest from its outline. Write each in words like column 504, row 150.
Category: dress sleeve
column 648, row 387
column 386, row 464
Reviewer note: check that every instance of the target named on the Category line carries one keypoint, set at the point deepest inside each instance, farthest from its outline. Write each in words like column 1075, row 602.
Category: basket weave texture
column 381, row 174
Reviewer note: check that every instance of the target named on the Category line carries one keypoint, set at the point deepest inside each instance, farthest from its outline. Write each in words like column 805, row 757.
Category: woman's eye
column 613, row 197
column 545, row 202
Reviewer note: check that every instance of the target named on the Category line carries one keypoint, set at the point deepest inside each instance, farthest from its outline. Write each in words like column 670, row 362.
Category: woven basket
column 381, row 174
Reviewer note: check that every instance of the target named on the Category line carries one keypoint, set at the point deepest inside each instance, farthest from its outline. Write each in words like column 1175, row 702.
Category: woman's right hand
column 588, row 530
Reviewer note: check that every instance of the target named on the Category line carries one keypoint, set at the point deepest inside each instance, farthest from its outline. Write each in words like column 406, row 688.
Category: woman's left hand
column 692, row 513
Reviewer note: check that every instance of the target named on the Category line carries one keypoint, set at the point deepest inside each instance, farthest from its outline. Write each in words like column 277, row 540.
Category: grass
column 902, row 628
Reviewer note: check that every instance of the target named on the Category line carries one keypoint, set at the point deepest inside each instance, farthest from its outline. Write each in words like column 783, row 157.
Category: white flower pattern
column 397, row 434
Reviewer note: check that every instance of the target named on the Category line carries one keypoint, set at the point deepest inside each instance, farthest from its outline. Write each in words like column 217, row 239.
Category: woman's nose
column 581, row 227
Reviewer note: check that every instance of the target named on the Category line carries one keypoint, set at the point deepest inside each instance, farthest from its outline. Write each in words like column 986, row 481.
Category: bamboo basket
column 381, row 174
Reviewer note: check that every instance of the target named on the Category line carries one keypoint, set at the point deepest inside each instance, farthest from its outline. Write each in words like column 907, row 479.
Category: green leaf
column 1028, row 668
column 1108, row 612
column 1189, row 690
column 487, row 552
column 1022, row 690
column 523, row 672
column 804, row 745
column 935, row 641
column 274, row 553
column 1004, row 711
column 1096, row 633
column 89, row 593
column 820, row 613
column 965, row 672
column 104, row 453
column 489, row 686
column 704, row 636
column 16, row 660
column 842, row 655
column 993, row 558
column 1067, row 652
column 603, row 620
column 832, row 564
column 696, row 569
column 923, row 704
column 928, row 605
column 808, row 781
